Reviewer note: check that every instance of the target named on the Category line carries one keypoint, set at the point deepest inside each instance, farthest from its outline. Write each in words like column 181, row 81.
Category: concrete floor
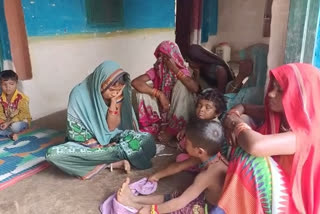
column 51, row 191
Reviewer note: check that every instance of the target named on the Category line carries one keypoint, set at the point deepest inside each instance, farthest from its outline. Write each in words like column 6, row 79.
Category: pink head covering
column 162, row 78
column 301, row 102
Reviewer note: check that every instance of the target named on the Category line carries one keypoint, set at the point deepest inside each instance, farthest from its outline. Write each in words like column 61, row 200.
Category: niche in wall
column 104, row 12
column 267, row 18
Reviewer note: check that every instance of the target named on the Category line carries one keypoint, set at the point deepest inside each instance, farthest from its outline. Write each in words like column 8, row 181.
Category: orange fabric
column 300, row 84
column 236, row 198
column 301, row 101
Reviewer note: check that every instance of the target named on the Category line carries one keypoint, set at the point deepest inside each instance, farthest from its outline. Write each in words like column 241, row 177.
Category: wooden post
column 302, row 27
column 18, row 38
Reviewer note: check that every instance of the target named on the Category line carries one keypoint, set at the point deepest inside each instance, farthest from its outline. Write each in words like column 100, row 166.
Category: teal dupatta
column 87, row 113
column 87, row 110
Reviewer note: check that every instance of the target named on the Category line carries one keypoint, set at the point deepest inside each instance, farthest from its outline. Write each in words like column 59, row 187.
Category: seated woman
column 252, row 91
column 276, row 167
column 172, row 87
column 102, row 129
column 215, row 72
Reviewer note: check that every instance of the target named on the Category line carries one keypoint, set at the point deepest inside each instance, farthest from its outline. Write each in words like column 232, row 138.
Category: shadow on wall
column 57, row 121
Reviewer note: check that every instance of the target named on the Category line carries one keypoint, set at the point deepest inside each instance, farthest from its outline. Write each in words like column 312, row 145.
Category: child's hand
column 181, row 134
column 153, row 178
column 146, row 209
column 4, row 125
column 14, row 113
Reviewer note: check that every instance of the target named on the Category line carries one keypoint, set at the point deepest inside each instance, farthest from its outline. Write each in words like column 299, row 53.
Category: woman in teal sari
column 101, row 127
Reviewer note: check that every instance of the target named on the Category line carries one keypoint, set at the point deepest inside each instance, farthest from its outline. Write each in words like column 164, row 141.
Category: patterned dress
column 90, row 145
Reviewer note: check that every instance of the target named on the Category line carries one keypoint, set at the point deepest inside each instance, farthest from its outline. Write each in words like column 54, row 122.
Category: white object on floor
column 164, row 155
column 160, row 148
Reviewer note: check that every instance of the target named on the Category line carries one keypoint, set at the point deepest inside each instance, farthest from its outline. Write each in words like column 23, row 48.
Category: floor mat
column 26, row 156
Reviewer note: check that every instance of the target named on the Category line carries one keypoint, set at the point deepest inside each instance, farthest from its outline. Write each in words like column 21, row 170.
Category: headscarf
column 164, row 79
column 87, row 106
column 201, row 55
column 301, row 101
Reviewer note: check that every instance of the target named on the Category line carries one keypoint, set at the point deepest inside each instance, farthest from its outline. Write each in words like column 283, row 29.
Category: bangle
column 113, row 112
column 234, row 111
column 240, row 127
column 180, row 75
column 154, row 209
column 156, row 93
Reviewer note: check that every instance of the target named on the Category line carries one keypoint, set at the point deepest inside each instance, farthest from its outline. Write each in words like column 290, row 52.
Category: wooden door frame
column 302, row 31
column 18, row 38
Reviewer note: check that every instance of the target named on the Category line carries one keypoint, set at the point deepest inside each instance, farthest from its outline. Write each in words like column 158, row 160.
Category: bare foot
column 14, row 137
column 123, row 164
column 126, row 166
column 125, row 196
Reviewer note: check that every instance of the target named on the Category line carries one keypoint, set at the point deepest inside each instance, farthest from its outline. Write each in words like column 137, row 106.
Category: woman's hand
column 170, row 64
column 237, row 109
column 231, row 120
column 230, row 138
column 165, row 103
column 229, row 123
column 181, row 134
column 117, row 95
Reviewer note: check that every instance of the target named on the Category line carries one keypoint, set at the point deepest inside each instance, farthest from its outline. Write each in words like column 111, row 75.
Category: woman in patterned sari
column 101, row 128
column 165, row 105
column 276, row 168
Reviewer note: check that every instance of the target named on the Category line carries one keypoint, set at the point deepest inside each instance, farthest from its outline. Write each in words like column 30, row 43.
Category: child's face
column 206, row 110
column 8, row 86
column 192, row 151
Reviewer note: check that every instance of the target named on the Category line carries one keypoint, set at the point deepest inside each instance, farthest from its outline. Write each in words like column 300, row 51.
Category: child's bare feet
column 125, row 196
column 126, row 166
column 123, row 164
column 14, row 137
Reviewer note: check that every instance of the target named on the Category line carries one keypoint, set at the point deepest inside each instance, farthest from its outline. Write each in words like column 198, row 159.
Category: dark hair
column 199, row 54
column 8, row 75
column 215, row 96
column 207, row 135
column 121, row 79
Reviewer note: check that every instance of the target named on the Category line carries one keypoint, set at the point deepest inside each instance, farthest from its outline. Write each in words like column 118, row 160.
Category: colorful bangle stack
column 156, row 93
column 154, row 209
column 180, row 75
column 113, row 112
column 240, row 127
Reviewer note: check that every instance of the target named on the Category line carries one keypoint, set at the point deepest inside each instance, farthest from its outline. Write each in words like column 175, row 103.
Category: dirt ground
column 51, row 191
